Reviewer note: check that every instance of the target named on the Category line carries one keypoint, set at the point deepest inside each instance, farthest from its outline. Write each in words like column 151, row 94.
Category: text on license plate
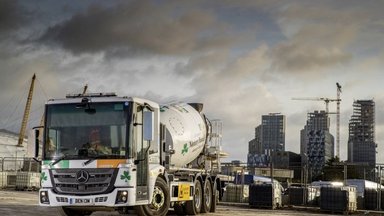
column 79, row 201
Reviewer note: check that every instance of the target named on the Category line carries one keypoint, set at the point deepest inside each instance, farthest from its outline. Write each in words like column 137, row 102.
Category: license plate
column 78, row 201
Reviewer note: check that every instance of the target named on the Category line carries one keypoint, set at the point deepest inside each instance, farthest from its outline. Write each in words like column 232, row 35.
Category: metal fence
column 19, row 173
column 19, row 164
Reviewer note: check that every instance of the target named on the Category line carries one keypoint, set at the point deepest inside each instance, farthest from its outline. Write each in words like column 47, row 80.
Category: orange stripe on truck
column 109, row 163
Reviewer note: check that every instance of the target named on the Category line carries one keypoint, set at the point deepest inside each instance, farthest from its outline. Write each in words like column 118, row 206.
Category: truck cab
column 103, row 152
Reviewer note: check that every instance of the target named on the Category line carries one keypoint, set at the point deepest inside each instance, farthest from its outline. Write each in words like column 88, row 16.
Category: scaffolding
column 214, row 144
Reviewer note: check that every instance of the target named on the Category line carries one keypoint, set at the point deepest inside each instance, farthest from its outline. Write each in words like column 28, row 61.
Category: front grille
column 98, row 181
column 62, row 199
column 101, row 199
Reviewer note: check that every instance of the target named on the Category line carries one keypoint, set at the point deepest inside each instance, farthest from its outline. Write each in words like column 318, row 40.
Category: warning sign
column 184, row 192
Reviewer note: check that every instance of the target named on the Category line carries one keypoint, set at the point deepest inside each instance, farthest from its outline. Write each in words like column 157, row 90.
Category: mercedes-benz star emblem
column 82, row 176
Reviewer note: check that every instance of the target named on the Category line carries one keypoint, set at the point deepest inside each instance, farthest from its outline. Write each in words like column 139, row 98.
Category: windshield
column 75, row 133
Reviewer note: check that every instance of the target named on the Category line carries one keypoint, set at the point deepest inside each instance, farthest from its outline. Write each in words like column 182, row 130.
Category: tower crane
column 327, row 100
column 26, row 113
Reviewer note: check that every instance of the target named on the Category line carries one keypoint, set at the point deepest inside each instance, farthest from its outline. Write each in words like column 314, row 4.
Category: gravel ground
column 20, row 203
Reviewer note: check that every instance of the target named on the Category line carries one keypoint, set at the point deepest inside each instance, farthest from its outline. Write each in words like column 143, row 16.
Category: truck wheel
column 207, row 196
column 193, row 207
column 215, row 198
column 65, row 211
column 160, row 201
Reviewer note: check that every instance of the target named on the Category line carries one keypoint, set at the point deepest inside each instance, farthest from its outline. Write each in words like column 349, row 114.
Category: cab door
column 141, row 158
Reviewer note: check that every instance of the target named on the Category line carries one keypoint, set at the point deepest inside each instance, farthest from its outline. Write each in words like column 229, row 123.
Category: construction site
column 272, row 179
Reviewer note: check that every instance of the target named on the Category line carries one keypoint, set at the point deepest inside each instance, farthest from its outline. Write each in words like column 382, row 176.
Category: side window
column 52, row 142
column 138, row 135
column 154, row 148
column 141, row 144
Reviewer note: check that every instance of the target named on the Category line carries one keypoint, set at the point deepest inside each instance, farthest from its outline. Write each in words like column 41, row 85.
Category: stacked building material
column 236, row 193
column 260, row 195
column 370, row 199
column 303, row 195
column 338, row 199
column 3, row 179
column 297, row 195
column 27, row 181
column 264, row 196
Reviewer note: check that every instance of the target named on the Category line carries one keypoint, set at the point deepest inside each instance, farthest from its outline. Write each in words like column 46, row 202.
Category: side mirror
column 33, row 143
column 37, row 144
column 148, row 125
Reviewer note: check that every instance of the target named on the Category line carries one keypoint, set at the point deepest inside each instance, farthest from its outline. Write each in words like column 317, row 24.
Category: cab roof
column 100, row 97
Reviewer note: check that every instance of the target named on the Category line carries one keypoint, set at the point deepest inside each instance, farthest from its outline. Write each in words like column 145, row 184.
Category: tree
column 334, row 171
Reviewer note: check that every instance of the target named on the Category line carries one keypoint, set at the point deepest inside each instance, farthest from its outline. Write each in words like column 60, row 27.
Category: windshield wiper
column 59, row 159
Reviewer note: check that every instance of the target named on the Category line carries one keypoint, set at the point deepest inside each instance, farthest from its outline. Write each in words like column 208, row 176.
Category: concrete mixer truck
column 103, row 152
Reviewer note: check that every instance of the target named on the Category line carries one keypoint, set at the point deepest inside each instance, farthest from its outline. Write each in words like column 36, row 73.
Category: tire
column 160, row 201
column 179, row 209
column 215, row 198
column 207, row 196
column 65, row 211
column 193, row 207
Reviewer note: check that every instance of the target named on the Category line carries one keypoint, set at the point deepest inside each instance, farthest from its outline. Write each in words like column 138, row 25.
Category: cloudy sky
column 241, row 58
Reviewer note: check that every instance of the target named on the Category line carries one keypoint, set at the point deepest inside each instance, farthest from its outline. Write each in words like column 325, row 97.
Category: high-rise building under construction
column 361, row 142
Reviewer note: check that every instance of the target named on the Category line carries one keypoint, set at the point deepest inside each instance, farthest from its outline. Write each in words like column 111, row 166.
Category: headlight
column 44, row 199
column 122, row 197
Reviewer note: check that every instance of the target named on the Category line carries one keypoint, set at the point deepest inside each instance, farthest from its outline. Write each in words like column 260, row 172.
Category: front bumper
column 47, row 197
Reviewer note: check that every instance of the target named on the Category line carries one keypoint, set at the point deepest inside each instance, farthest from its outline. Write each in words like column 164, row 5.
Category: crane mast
column 85, row 89
column 26, row 113
column 338, row 120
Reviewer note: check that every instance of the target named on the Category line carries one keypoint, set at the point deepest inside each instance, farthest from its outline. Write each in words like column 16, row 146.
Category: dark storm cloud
column 320, row 35
column 138, row 25
column 12, row 15
column 301, row 58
